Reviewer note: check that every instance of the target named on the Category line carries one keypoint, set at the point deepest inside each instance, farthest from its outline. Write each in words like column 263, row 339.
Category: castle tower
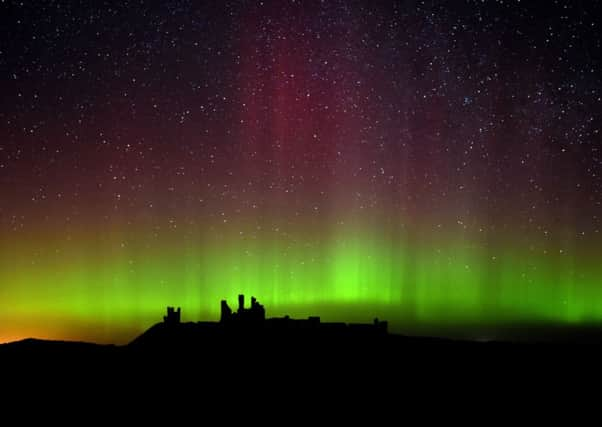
column 241, row 303
column 226, row 312
column 173, row 316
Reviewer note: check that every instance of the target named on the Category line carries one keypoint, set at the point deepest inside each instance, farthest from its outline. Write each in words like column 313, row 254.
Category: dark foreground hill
column 171, row 362
column 245, row 352
column 203, row 347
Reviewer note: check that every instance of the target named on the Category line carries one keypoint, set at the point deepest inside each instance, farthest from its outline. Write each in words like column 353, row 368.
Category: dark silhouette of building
column 173, row 316
column 226, row 312
column 253, row 318
column 241, row 303
column 254, row 314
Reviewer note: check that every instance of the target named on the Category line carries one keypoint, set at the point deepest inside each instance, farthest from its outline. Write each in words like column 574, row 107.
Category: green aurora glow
column 113, row 287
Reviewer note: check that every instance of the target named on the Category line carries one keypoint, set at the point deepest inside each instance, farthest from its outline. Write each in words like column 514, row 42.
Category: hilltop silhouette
column 246, row 358
column 245, row 346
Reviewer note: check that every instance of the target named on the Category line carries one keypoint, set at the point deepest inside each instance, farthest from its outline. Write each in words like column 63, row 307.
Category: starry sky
column 433, row 163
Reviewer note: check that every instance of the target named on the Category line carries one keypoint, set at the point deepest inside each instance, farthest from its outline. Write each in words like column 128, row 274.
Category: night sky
column 433, row 163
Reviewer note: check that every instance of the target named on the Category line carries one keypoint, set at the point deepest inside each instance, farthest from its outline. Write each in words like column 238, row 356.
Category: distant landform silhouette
column 290, row 351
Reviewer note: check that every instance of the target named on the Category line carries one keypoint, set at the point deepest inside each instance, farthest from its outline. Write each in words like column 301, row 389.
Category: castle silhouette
column 254, row 319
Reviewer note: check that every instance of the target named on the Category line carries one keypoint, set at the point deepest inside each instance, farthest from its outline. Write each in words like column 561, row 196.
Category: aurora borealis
column 436, row 164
